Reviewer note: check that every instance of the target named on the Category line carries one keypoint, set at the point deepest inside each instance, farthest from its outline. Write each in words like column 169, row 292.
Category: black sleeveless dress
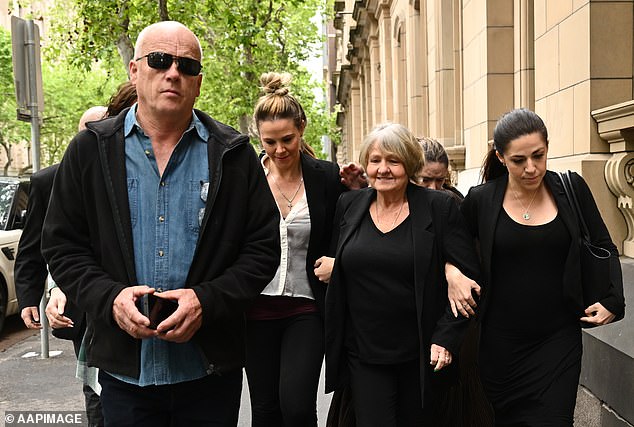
column 530, row 351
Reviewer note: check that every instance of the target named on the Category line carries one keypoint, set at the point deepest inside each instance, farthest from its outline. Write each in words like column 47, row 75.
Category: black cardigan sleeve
column 600, row 236
column 457, row 247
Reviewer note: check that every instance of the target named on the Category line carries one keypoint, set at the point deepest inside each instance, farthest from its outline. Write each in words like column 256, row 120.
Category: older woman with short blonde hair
column 388, row 322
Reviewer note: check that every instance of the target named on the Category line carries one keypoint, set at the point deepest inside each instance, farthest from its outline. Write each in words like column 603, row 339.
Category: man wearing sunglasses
column 162, row 199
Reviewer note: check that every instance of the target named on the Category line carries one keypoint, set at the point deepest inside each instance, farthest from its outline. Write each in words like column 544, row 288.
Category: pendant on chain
column 526, row 215
column 289, row 202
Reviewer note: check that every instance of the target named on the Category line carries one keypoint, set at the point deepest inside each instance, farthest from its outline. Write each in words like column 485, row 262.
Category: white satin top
column 291, row 278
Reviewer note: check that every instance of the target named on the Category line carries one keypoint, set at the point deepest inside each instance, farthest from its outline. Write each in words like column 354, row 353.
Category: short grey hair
column 395, row 139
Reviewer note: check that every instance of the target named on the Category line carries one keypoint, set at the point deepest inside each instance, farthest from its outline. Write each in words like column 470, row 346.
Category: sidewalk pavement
column 36, row 384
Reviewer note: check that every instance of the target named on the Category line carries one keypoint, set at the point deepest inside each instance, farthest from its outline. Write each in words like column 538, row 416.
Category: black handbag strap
column 566, row 182
column 571, row 195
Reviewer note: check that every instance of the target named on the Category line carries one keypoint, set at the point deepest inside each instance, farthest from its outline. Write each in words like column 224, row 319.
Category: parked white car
column 14, row 193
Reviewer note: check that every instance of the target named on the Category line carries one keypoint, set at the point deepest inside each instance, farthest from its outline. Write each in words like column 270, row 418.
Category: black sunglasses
column 162, row 61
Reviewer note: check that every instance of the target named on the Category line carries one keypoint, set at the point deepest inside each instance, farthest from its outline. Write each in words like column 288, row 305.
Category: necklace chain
column 526, row 215
column 289, row 201
column 397, row 215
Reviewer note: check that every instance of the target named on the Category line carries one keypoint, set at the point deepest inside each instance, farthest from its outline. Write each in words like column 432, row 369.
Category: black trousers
column 93, row 407
column 213, row 400
column 284, row 359
column 386, row 395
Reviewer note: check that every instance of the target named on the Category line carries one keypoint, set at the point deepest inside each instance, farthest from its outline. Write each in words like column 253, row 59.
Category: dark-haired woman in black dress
column 530, row 350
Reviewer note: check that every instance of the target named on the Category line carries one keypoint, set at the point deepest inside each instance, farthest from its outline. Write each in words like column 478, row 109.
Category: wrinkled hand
column 128, row 316
column 597, row 314
column 323, row 268
column 55, row 310
column 31, row 317
column 353, row 176
column 459, row 291
column 181, row 325
column 440, row 357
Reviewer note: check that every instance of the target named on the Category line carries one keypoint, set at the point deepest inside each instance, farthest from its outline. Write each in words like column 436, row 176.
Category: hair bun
column 275, row 83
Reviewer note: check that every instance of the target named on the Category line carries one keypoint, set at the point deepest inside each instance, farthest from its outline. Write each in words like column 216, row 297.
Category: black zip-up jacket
column 87, row 242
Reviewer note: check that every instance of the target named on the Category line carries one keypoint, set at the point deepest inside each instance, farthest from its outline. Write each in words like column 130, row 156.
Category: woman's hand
column 353, row 176
column 323, row 268
column 440, row 357
column 597, row 314
column 55, row 310
column 31, row 317
column 460, row 291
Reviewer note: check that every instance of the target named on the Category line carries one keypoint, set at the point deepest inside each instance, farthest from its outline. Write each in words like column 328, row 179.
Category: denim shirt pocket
column 133, row 200
column 196, row 201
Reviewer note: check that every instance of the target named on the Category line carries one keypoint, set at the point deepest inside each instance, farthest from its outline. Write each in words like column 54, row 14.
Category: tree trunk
column 124, row 44
column 126, row 51
column 243, row 123
column 163, row 15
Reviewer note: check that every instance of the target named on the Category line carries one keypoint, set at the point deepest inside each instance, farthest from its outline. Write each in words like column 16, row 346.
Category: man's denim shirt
column 166, row 212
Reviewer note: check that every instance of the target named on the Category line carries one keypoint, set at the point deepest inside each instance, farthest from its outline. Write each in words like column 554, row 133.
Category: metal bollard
column 44, row 330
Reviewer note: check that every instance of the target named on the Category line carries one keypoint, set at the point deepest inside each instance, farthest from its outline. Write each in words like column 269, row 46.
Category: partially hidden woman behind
column 388, row 323
column 530, row 349
column 285, row 334
column 435, row 173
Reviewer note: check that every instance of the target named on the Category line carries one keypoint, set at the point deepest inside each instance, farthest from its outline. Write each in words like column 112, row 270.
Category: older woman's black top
column 379, row 272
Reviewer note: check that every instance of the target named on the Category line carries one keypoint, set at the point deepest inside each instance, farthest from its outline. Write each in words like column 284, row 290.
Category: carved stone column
column 456, row 156
column 616, row 126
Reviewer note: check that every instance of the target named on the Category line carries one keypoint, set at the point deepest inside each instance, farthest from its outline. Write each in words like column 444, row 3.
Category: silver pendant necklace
column 526, row 215
column 289, row 202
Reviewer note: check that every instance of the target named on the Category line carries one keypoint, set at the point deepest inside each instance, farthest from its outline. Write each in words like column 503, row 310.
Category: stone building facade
column 450, row 68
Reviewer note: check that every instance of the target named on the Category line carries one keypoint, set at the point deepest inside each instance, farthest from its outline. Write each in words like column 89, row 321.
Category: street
column 32, row 383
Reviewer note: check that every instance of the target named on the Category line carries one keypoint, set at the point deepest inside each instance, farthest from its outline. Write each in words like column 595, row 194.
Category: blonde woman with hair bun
column 285, row 332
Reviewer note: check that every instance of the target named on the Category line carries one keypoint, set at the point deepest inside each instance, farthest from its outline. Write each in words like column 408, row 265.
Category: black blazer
column 482, row 207
column 30, row 267
column 439, row 235
column 323, row 188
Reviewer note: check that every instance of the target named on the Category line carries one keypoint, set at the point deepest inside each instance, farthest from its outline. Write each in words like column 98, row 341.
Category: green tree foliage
column 68, row 92
column 86, row 32
column 241, row 39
